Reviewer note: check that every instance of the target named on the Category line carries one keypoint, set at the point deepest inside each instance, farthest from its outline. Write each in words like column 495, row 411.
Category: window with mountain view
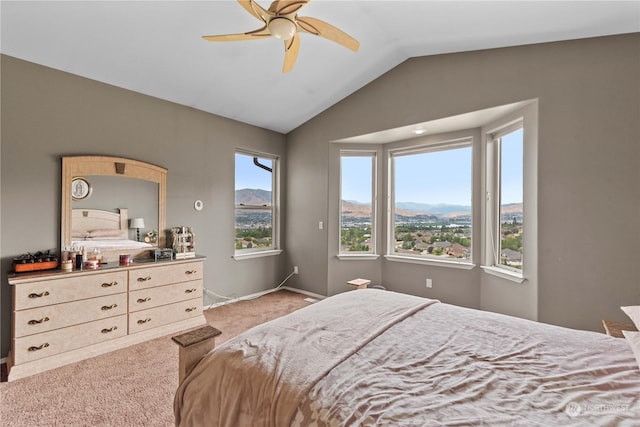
column 431, row 200
column 509, row 144
column 357, row 187
column 255, row 206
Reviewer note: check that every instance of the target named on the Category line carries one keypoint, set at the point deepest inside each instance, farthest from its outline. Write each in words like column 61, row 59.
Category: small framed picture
column 80, row 188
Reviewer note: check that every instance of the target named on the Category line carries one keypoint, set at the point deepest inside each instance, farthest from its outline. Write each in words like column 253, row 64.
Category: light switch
column 320, row 225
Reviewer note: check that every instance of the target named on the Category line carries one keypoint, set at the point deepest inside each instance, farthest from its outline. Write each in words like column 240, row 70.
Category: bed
column 106, row 231
column 372, row 357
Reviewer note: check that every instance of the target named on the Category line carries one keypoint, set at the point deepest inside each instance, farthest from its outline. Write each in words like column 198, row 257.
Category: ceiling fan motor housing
column 282, row 28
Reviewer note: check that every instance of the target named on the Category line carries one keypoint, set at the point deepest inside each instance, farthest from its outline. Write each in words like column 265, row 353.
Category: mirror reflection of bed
column 121, row 190
column 107, row 232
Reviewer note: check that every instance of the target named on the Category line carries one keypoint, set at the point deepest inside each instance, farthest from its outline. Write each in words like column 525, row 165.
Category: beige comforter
column 416, row 363
column 259, row 377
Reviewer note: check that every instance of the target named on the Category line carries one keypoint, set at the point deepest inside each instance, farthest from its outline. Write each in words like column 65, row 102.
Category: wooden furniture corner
column 359, row 283
column 615, row 329
column 192, row 346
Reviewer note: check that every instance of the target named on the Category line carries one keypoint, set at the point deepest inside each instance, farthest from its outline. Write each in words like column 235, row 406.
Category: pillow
column 633, row 338
column 99, row 233
column 79, row 234
column 633, row 311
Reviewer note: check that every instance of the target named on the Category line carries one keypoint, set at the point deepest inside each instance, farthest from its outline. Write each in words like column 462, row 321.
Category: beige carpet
column 129, row 387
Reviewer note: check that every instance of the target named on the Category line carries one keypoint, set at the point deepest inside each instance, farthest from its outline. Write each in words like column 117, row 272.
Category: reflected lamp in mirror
column 137, row 223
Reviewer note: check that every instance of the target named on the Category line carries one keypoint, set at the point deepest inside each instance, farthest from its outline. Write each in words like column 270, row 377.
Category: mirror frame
column 74, row 166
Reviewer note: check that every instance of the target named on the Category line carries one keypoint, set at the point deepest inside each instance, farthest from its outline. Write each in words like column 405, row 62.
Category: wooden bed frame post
column 192, row 346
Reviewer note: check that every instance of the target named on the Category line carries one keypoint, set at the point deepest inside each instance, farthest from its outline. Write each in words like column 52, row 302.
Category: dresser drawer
column 47, row 292
column 38, row 346
column 158, row 316
column 157, row 276
column 163, row 295
column 42, row 319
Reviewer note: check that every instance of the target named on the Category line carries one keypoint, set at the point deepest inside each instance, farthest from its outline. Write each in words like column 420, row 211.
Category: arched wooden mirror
column 113, row 205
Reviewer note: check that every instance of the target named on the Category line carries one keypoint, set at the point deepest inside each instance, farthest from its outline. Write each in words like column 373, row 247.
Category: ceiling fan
column 281, row 21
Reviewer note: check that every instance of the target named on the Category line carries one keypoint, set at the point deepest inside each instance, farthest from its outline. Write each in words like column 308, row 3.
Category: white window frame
column 448, row 144
column 491, row 243
column 494, row 192
column 274, row 249
column 372, row 254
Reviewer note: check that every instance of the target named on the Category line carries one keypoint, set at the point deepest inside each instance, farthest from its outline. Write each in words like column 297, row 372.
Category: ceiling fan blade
column 291, row 48
column 286, row 7
column 251, row 35
column 255, row 9
column 320, row 28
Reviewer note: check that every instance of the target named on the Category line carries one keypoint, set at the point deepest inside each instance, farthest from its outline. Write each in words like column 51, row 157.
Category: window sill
column 504, row 274
column 358, row 257
column 257, row 254
column 433, row 262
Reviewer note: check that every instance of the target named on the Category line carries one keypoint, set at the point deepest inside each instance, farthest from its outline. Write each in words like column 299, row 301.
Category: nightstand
column 615, row 329
column 359, row 283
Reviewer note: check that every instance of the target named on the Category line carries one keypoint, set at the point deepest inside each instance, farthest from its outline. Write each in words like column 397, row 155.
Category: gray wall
column 47, row 114
column 588, row 171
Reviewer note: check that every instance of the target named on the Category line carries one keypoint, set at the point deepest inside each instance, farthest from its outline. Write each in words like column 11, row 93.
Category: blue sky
column 430, row 178
column 427, row 178
column 512, row 167
column 249, row 175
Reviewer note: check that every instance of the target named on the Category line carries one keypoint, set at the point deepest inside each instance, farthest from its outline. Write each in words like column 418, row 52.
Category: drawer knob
column 143, row 321
column 109, row 307
column 40, row 347
column 144, row 279
column 40, row 295
column 190, row 291
column 190, row 309
column 141, row 300
column 37, row 322
column 109, row 284
column 190, row 272
column 107, row 330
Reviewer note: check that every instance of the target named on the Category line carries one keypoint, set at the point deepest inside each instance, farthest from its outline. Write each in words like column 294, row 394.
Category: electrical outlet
column 429, row 283
column 295, row 269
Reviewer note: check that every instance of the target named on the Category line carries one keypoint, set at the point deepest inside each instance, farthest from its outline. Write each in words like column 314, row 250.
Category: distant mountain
column 253, row 196
column 512, row 208
column 353, row 209
column 439, row 209
column 356, row 209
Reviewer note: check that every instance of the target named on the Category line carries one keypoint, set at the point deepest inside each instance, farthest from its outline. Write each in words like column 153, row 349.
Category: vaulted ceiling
column 156, row 48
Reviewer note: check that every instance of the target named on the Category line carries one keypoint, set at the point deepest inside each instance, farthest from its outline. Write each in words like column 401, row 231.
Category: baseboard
column 300, row 291
column 259, row 294
column 242, row 298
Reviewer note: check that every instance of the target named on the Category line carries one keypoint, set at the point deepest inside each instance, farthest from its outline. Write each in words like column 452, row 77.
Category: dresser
column 64, row 317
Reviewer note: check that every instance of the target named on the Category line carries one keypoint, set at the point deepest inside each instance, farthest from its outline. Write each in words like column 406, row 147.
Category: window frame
column 492, row 189
column 274, row 248
column 373, row 253
column 450, row 142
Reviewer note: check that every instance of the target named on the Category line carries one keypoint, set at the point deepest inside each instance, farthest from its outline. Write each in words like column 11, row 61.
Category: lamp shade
column 137, row 223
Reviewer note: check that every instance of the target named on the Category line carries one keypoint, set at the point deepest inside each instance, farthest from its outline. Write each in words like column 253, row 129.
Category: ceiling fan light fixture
column 282, row 28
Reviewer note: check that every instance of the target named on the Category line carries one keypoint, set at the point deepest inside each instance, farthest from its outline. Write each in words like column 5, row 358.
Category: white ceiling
column 155, row 47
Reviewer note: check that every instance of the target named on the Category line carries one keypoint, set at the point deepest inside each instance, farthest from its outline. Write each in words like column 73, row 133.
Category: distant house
column 457, row 250
column 512, row 256
column 442, row 245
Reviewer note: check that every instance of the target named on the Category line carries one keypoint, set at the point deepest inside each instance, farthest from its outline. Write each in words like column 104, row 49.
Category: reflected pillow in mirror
column 107, row 233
